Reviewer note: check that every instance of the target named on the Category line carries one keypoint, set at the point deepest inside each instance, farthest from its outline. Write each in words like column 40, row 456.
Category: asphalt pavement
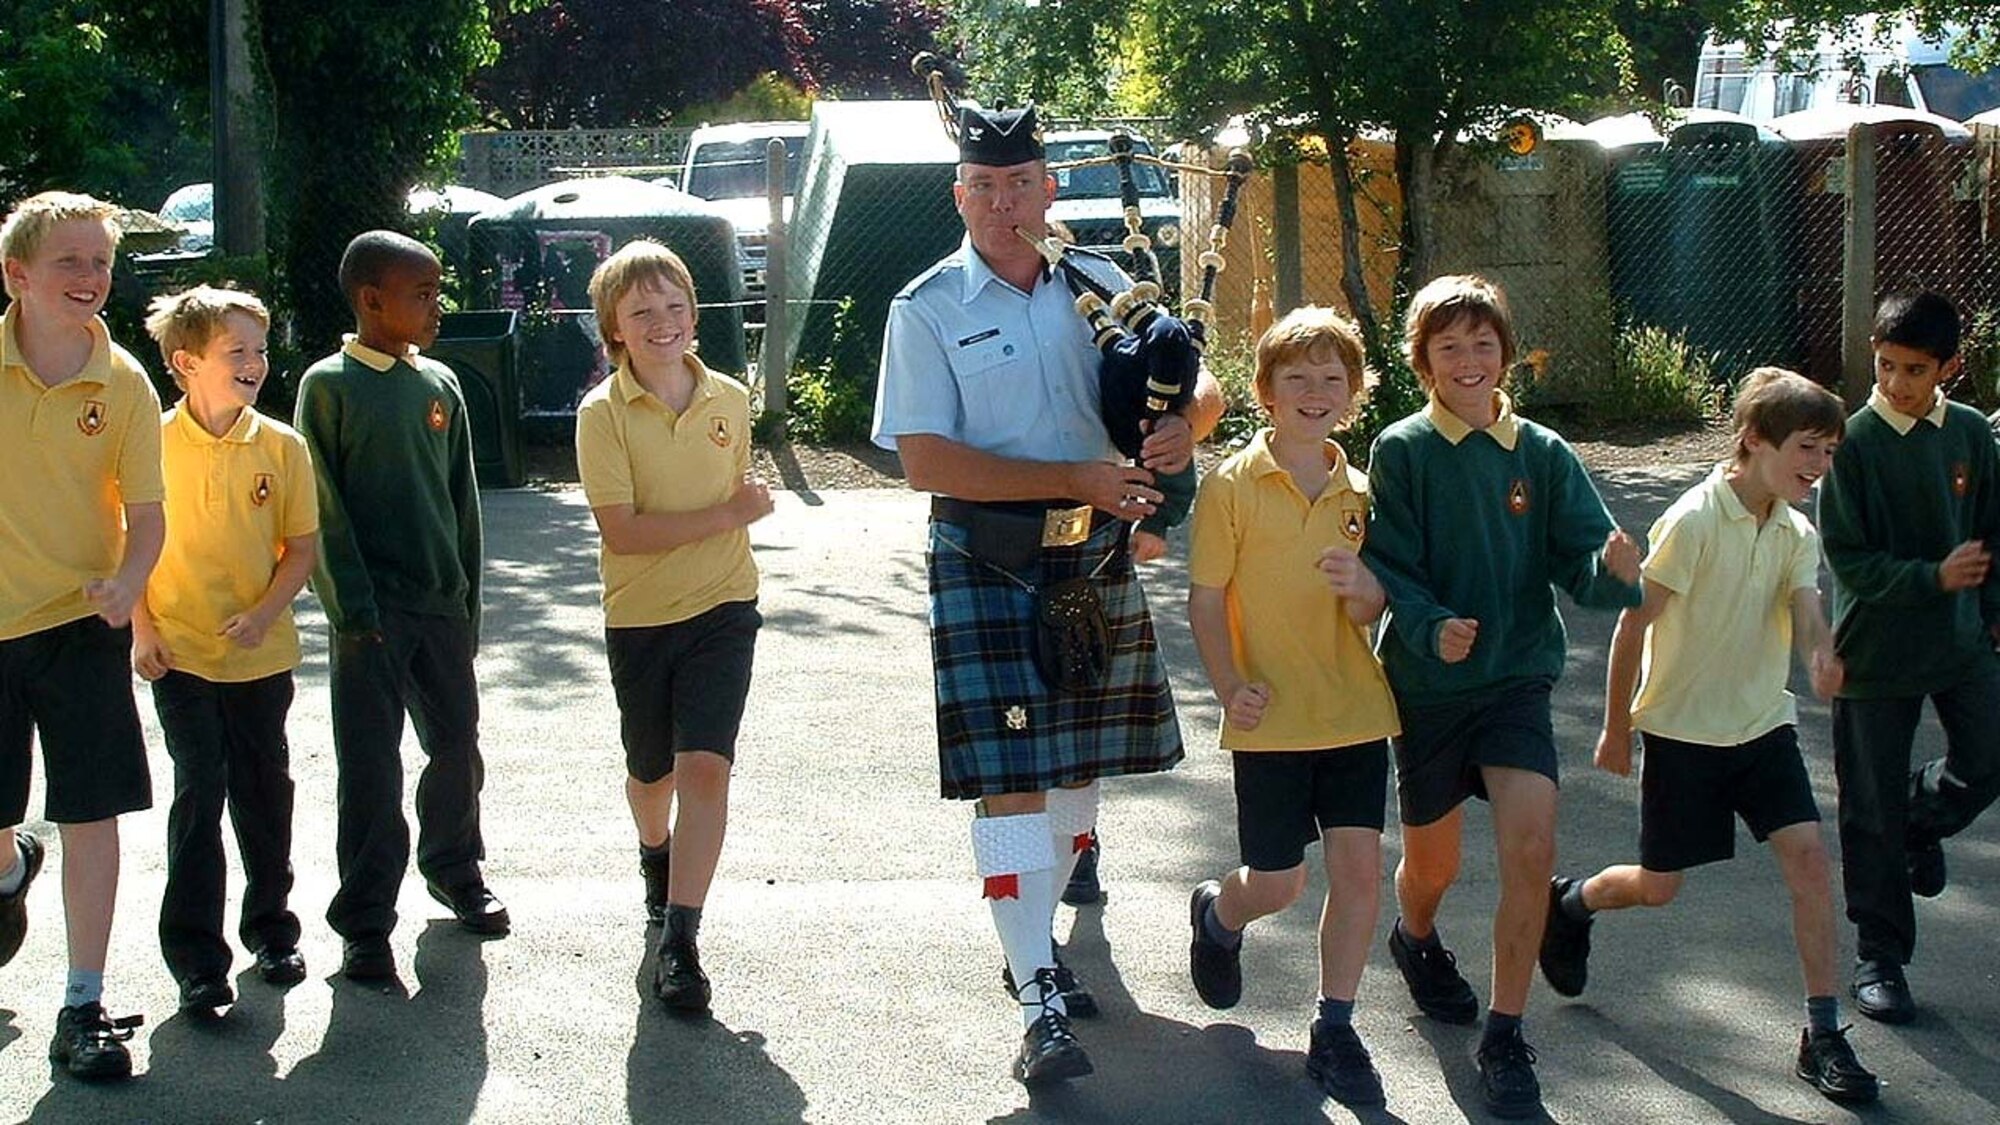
column 856, row 972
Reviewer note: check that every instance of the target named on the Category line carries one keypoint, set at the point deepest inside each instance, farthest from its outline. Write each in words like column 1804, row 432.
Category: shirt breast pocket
column 990, row 372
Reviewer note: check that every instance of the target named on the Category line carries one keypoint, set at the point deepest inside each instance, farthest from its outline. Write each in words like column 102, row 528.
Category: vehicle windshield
column 735, row 169
column 194, row 202
column 1100, row 181
column 1951, row 92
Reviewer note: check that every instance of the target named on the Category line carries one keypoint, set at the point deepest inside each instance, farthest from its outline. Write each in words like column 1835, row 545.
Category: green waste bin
column 483, row 349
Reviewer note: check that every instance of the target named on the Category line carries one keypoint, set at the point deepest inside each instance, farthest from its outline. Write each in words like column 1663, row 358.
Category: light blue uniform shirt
column 970, row 358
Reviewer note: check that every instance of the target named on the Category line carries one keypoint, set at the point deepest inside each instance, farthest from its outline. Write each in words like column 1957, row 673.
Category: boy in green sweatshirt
column 1477, row 514
column 398, row 574
column 1908, row 516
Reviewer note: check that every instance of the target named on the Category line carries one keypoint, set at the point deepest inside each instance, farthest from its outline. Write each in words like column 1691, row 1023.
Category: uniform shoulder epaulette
column 937, row 269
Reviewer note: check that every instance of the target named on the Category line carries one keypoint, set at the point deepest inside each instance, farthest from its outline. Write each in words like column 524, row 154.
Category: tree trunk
column 1353, row 273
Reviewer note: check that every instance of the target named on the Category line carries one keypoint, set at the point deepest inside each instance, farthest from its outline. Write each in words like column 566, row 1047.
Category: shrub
column 1658, row 377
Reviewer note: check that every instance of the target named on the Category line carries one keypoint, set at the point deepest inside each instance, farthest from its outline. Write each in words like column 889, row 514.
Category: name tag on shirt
column 983, row 351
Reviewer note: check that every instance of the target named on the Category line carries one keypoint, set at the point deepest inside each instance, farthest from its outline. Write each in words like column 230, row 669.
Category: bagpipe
column 1151, row 356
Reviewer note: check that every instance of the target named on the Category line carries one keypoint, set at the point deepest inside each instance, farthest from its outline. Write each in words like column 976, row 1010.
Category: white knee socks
column 1072, row 824
column 1014, row 860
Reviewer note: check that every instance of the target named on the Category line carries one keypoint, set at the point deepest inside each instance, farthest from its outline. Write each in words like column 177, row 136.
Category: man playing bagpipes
column 1047, row 671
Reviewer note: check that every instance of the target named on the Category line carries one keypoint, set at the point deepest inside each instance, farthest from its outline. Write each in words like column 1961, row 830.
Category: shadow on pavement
column 1727, row 1103
column 686, row 1069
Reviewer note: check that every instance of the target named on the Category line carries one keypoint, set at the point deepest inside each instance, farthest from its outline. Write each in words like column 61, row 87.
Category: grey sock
column 1333, row 1011
column 1428, row 941
column 1572, row 903
column 1823, row 1013
column 86, row 986
column 1218, row 933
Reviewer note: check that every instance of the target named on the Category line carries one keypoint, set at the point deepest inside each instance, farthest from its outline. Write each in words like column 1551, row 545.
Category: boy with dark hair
column 1908, row 514
column 663, row 447
column 1306, row 711
column 1478, row 515
column 214, row 633
column 80, row 530
column 1731, row 581
column 398, row 575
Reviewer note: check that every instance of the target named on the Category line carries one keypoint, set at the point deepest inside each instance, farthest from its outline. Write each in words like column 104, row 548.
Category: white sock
column 1014, row 860
column 1072, row 825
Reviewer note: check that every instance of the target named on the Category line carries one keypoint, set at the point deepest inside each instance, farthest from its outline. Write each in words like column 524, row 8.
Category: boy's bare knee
column 1272, row 891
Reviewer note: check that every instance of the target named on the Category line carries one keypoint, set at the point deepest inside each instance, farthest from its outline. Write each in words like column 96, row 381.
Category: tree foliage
column 1797, row 22
column 81, row 110
column 610, row 63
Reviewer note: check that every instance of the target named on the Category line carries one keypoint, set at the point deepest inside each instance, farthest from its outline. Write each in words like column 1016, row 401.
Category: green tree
column 1795, row 23
column 80, row 110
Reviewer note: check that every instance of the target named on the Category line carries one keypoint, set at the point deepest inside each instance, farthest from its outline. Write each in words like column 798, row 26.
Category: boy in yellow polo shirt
column 1732, row 582
column 214, row 634
column 1307, row 710
column 663, row 447
column 80, row 529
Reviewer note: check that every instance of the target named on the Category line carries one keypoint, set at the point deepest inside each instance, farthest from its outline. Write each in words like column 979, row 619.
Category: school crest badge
column 261, row 490
column 1961, row 479
column 1017, row 717
column 92, row 420
column 718, row 432
column 1517, row 497
column 437, row 418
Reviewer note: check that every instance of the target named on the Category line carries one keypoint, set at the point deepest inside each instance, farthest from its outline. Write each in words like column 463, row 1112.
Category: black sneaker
column 1217, row 970
column 1341, row 1065
column 1076, row 998
column 1431, row 972
column 653, row 870
column 1083, row 888
column 14, row 907
column 1507, row 1076
column 91, row 1045
column 1926, row 860
column 1881, row 993
column 205, row 995
column 1565, row 953
column 1049, row 1050
column 1826, row 1060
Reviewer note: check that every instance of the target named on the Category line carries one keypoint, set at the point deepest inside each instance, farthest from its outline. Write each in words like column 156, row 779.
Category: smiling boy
column 1478, row 514
column 1731, row 582
column 80, row 531
column 1909, row 514
column 663, row 448
column 1280, row 607
column 215, row 635
column 398, row 575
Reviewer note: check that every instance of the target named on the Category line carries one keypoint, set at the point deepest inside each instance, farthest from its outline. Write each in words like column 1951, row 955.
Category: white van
column 1873, row 61
column 725, row 165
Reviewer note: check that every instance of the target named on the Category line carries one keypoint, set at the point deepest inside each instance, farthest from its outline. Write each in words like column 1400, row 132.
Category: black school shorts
column 682, row 686
column 1690, row 796
column 1286, row 799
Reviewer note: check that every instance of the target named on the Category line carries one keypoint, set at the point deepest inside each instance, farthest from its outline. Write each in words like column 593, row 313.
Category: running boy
column 1909, row 515
column 1731, row 581
column 214, row 633
column 663, row 447
column 80, row 529
column 1307, row 712
column 1478, row 512
column 398, row 575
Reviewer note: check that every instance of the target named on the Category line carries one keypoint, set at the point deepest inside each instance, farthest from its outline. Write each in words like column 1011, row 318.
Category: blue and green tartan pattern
column 1000, row 728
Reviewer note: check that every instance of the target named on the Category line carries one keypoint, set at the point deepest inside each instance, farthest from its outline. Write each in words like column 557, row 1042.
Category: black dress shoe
column 1077, row 999
column 281, row 965
column 1827, row 1061
column 1926, row 863
column 1881, row 992
column 368, row 959
column 474, row 906
column 1215, row 968
column 677, row 978
column 1050, row 1052
column 1083, row 888
column 653, row 870
column 203, row 995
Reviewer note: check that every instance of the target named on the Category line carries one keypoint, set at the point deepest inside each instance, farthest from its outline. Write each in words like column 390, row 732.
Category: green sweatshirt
column 1893, row 506
column 398, row 504
column 1481, row 531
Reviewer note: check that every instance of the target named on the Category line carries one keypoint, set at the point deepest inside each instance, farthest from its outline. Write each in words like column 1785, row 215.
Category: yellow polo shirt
column 232, row 501
column 1717, row 659
column 631, row 448
column 1256, row 536
column 71, row 456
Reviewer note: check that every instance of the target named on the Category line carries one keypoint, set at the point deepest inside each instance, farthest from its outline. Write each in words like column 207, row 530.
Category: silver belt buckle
column 1066, row 527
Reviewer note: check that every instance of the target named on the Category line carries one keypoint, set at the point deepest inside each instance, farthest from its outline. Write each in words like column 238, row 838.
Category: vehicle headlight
column 1169, row 234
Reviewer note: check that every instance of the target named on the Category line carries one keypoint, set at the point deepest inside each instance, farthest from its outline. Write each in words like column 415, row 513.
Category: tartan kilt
column 982, row 652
